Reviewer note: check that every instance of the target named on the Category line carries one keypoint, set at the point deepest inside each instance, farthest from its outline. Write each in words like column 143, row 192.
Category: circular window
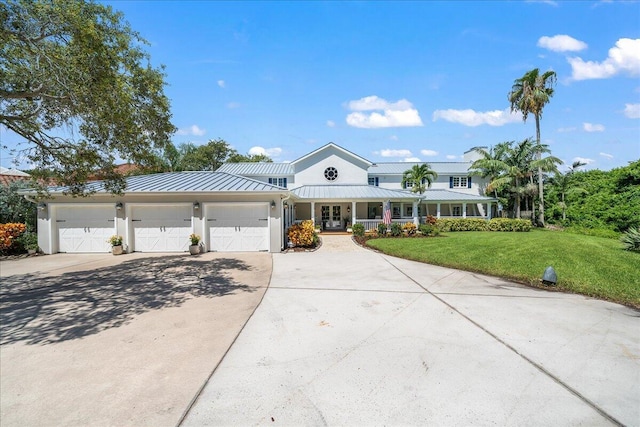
column 331, row 173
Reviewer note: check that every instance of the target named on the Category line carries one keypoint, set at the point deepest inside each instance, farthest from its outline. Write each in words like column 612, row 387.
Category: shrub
column 431, row 220
column 631, row 240
column 195, row 239
column 382, row 229
column 303, row 234
column 409, row 228
column 9, row 234
column 396, row 229
column 115, row 240
column 358, row 230
column 507, row 224
column 29, row 241
column 426, row 229
column 462, row 224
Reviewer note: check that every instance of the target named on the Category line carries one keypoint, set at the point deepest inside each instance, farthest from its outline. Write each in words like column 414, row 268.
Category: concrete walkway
column 347, row 336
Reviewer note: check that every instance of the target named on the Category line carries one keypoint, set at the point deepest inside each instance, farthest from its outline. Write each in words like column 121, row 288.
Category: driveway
column 129, row 341
column 346, row 336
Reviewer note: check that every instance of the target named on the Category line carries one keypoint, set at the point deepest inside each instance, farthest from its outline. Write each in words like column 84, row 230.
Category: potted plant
column 116, row 244
column 194, row 249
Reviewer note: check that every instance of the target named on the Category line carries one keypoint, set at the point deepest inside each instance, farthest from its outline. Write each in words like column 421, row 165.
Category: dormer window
column 459, row 182
column 331, row 173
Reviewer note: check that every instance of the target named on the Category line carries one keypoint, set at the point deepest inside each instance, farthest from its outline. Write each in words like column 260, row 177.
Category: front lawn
column 587, row 265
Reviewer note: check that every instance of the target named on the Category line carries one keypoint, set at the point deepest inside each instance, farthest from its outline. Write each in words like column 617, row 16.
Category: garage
column 242, row 227
column 161, row 228
column 85, row 228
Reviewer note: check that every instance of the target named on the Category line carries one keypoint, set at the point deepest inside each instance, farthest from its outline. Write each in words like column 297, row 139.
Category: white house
column 249, row 206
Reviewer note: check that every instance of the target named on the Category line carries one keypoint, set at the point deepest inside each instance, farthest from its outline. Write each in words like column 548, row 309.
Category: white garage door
column 239, row 227
column 85, row 228
column 161, row 228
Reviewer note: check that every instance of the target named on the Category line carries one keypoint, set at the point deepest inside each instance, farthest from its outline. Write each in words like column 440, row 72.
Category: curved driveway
column 347, row 336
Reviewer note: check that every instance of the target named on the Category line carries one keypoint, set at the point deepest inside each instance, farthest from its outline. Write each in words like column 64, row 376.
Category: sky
column 395, row 81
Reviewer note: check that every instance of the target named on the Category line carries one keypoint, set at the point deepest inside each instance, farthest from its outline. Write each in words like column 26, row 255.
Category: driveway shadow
column 38, row 309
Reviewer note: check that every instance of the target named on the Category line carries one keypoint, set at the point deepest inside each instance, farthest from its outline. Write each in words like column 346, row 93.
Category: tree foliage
column 14, row 208
column 77, row 86
column 420, row 177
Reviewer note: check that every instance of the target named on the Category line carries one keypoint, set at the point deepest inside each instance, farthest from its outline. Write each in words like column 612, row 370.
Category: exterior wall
column 310, row 171
column 394, row 182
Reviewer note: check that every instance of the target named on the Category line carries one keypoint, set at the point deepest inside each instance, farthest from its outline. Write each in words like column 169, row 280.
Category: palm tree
column 489, row 165
column 420, row 177
column 529, row 94
column 563, row 183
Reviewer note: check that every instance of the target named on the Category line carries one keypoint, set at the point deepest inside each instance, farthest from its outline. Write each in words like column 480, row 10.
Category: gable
column 331, row 161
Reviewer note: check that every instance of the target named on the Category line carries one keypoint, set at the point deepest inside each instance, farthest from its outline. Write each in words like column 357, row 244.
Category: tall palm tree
column 529, row 94
column 420, row 177
column 489, row 165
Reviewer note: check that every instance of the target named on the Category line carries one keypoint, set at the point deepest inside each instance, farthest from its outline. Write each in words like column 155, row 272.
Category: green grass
column 588, row 265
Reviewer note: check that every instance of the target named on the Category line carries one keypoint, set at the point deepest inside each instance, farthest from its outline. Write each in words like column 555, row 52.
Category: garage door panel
column 161, row 228
column 85, row 228
column 239, row 228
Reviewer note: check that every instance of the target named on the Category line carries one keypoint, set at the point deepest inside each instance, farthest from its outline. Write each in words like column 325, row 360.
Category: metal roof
column 398, row 168
column 189, row 182
column 335, row 146
column 453, row 196
column 350, row 192
column 257, row 169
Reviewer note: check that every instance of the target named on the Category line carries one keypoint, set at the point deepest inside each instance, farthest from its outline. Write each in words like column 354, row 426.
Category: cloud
column 412, row 159
column 567, row 129
column 474, row 118
column 221, row 83
column 607, row 155
column 592, row 127
column 632, row 111
column 583, row 160
column 624, row 57
column 393, row 114
column 271, row 152
column 561, row 43
column 191, row 130
column 451, row 157
column 429, row 153
column 394, row 153
column 331, row 123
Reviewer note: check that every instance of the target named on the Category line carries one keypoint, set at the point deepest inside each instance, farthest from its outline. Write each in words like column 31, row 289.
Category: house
column 7, row 176
column 249, row 206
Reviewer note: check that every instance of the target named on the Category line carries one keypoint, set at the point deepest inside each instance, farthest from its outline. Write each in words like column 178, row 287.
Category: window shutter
column 450, row 182
column 469, row 182
column 377, row 181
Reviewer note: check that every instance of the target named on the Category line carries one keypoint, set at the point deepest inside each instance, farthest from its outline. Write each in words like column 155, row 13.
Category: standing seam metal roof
column 257, row 169
column 398, row 168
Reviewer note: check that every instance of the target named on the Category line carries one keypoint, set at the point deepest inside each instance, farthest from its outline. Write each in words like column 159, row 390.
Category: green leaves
column 419, row 178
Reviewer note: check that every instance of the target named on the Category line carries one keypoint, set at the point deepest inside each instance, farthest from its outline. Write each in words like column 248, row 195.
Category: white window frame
column 460, row 182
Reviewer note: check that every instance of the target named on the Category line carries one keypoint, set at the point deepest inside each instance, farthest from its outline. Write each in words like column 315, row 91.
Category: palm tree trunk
column 540, row 186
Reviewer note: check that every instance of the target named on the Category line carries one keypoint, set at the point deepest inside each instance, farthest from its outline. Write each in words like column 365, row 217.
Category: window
column 280, row 182
column 459, row 182
column 374, row 180
column 409, row 184
column 331, row 173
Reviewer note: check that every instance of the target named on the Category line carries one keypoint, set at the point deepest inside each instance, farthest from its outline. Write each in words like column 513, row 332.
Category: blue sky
column 396, row 81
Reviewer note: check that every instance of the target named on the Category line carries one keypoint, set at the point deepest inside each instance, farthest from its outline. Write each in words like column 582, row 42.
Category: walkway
column 347, row 336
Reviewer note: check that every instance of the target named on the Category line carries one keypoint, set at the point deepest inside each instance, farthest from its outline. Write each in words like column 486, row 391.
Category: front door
column 331, row 217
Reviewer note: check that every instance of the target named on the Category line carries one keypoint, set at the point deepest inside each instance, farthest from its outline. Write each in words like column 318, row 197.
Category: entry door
column 331, row 216
column 238, row 227
column 161, row 228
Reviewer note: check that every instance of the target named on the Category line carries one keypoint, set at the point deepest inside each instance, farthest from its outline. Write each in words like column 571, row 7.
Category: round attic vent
column 331, row 173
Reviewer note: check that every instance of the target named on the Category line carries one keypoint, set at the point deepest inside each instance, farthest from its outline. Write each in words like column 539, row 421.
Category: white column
column 464, row 210
column 353, row 213
column 416, row 219
column 438, row 211
column 489, row 210
column 313, row 213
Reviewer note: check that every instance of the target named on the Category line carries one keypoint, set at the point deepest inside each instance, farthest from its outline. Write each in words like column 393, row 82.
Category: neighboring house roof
column 398, row 168
column 352, row 192
column 188, row 182
column 257, row 169
column 331, row 145
column 13, row 172
column 7, row 176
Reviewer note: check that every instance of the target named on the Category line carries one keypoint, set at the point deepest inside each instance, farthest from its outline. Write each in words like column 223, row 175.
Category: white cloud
column 394, row 153
column 429, row 153
column 632, row 111
column 412, row 159
column 331, row 123
column 474, row 118
column 393, row 114
column 607, row 155
column 624, row 57
column 191, row 130
column 271, row 152
column 583, row 160
column 561, row 43
column 567, row 129
column 221, row 83
column 451, row 157
column 592, row 127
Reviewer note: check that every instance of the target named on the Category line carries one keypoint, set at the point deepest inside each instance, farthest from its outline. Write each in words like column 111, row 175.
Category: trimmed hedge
column 358, row 230
column 477, row 224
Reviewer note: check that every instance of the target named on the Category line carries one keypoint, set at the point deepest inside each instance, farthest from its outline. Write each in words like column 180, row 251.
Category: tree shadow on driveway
column 38, row 309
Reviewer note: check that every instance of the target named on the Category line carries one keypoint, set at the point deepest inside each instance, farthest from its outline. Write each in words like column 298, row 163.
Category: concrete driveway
column 118, row 341
column 346, row 336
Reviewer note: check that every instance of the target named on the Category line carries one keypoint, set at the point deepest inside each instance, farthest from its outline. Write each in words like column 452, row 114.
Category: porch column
column 464, row 210
column 416, row 219
column 353, row 213
column 313, row 213
column 489, row 210
column 438, row 210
